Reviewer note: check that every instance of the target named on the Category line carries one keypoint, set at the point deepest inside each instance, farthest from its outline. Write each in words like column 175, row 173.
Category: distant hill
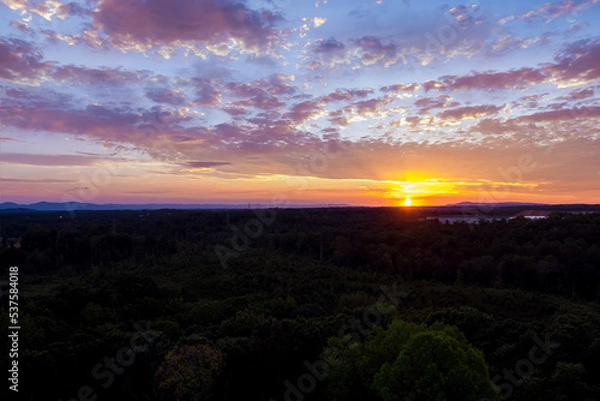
column 10, row 205
column 499, row 204
column 74, row 206
column 556, row 207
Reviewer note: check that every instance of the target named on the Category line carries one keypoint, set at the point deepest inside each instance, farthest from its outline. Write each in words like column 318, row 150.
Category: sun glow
column 408, row 202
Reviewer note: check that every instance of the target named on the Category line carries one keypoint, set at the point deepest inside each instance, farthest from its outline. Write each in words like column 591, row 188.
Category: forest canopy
column 130, row 305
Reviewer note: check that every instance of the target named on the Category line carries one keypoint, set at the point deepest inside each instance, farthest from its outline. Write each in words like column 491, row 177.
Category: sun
column 408, row 201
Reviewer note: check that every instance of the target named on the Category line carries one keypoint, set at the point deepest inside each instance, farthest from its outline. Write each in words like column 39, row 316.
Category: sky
column 362, row 102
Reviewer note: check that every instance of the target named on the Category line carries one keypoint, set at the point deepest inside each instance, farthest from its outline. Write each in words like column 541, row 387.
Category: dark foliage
column 107, row 298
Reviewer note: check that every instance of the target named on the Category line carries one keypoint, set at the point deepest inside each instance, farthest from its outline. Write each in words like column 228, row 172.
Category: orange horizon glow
column 416, row 189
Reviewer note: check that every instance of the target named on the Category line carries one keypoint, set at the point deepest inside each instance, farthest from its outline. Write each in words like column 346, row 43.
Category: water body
column 451, row 219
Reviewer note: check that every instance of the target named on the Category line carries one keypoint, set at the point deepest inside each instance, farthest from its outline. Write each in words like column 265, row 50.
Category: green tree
column 437, row 364
column 408, row 361
column 351, row 379
column 189, row 372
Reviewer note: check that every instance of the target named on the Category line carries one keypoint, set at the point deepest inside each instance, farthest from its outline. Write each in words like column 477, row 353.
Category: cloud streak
column 213, row 25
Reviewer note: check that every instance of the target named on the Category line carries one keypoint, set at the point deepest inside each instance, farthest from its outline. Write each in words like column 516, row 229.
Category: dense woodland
column 314, row 304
